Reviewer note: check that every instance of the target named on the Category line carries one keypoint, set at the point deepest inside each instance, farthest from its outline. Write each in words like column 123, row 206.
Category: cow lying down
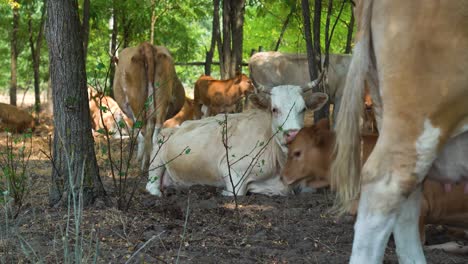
column 257, row 137
column 14, row 119
column 309, row 160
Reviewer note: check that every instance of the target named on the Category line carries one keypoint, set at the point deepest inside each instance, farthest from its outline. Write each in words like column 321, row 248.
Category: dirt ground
column 191, row 226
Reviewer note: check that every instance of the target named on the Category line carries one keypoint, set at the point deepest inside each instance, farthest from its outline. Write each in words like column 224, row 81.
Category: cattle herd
column 407, row 79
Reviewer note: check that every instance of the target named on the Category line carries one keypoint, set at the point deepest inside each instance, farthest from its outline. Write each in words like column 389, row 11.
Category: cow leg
column 406, row 231
column 157, row 171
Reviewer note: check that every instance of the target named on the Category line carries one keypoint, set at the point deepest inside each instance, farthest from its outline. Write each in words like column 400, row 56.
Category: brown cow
column 186, row 113
column 14, row 119
column 309, row 160
column 147, row 89
column 110, row 115
column 220, row 96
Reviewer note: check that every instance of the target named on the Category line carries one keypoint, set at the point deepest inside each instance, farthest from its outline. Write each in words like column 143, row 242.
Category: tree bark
column 73, row 148
column 153, row 20
column 214, row 38
column 327, row 33
column 308, row 39
column 85, row 28
column 349, row 37
column 113, row 48
column 233, row 26
column 316, row 34
column 36, row 56
column 14, row 56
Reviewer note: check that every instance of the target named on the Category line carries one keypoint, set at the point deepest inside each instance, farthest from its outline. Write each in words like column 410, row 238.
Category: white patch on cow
column 141, row 145
column 406, row 231
column 371, row 231
column 153, row 187
column 460, row 130
column 426, row 149
column 204, row 110
column 289, row 105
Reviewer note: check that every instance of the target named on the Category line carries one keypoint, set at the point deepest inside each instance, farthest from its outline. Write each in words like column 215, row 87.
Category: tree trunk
column 349, row 37
column 73, row 149
column 324, row 111
column 36, row 56
column 214, row 37
column 85, row 28
column 153, row 20
column 14, row 56
column 237, row 27
column 327, row 33
column 113, row 48
column 233, row 26
column 308, row 39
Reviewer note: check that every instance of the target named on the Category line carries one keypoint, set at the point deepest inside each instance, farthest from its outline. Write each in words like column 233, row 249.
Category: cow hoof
column 153, row 189
column 227, row 193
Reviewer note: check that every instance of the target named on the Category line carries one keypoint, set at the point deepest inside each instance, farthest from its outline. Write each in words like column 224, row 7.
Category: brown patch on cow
column 106, row 113
column 220, row 96
column 186, row 113
column 14, row 119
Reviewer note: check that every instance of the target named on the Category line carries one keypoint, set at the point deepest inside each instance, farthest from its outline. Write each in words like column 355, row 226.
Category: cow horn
column 311, row 85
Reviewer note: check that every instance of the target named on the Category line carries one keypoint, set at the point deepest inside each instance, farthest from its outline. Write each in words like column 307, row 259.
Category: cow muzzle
column 290, row 135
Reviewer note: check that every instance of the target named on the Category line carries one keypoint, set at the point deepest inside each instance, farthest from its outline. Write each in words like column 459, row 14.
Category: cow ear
column 238, row 79
column 260, row 100
column 315, row 101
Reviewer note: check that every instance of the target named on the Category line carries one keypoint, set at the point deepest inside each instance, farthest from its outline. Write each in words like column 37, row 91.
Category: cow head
column 245, row 84
column 309, row 156
column 287, row 104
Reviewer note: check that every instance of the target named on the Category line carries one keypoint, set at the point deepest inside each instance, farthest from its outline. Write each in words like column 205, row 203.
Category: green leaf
column 103, row 108
column 138, row 124
column 121, row 124
column 187, row 151
column 100, row 66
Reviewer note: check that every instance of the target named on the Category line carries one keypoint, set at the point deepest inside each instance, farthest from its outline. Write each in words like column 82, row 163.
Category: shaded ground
column 194, row 226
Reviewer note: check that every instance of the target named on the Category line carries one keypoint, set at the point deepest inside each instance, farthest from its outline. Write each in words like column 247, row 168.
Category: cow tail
column 148, row 53
column 345, row 173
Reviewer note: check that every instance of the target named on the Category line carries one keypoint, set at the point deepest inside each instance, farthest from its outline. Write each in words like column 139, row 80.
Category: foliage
column 14, row 178
column 182, row 26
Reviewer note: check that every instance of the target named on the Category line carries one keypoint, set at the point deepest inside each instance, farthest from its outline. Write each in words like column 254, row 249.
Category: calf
column 310, row 157
column 220, row 96
column 106, row 112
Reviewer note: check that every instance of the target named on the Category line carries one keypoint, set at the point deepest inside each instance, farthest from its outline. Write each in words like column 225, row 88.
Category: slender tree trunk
column 316, row 34
column 153, row 21
column 226, row 51
column 36, row 56
column 113, row 48
column 308, row 39
column 283, row 29
column 85, row 27
column 214, row 37
column 327, row 33
column 349, row 37
column 73, row 149
column 14, row 56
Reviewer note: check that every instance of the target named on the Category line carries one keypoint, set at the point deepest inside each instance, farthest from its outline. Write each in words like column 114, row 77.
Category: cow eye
column 297, row 153
column 274, row 110
column 303, row 110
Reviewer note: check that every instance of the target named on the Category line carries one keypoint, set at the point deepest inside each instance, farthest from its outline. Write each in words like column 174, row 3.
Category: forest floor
column 198, row 225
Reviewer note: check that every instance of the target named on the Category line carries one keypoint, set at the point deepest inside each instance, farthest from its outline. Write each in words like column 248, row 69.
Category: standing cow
column 413, row 54
column 249, row 133
column 147, row 89
column 272, row 68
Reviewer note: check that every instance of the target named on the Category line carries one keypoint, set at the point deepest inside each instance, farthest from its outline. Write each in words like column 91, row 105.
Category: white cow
column 249, row 133
column 272, row 68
